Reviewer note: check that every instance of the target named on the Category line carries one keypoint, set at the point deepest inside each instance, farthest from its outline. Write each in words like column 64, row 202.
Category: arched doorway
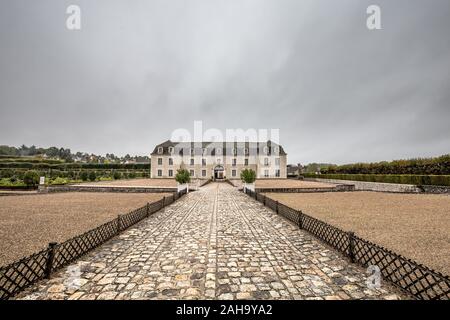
column 219, row 172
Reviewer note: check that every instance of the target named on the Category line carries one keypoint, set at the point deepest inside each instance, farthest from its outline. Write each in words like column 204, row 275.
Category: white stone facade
column 212, row 160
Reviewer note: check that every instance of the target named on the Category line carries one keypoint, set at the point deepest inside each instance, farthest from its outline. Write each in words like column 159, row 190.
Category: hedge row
column 427, row 166
column 75, row 174
column 435, row 180
column 69, row 166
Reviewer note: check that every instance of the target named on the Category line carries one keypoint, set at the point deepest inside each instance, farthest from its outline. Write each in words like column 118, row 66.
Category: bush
column 183, row 176
column 92, row 176
column 419, row 180
column 248, row 175
column 59, row 181
column 31, row 178
column 84, row 175
column 117, row 175
column 132, row 175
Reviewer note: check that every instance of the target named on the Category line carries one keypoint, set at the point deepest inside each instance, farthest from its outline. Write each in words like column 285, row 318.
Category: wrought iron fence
column 410, row 276
column 23, row 273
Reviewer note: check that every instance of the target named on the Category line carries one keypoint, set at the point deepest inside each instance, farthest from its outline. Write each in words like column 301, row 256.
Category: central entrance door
column 218, row 172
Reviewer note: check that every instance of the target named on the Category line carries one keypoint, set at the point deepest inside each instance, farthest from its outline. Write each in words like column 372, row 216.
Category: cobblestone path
column 212, row 243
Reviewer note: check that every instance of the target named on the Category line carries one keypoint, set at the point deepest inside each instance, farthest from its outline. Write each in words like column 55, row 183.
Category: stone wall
column 435, row 189
column 70, row 188
column 373, row 186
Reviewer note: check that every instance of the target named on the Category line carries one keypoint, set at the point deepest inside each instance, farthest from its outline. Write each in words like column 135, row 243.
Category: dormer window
column 170, row 150
column 266, row 150
column 246, row 151
column 276, row 150
column 160, row 150
column 192, row 151
column 234, row 150
column 204, row 151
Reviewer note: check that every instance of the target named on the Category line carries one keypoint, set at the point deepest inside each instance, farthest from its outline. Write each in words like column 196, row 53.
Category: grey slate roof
column 214, row 147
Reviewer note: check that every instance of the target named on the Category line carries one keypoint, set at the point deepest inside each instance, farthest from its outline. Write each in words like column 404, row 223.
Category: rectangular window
column 160, row 150
column 170, row 161
column 159, row 161
column 192, row 161
column 203, row 162
column 246, row 162
column 192, row 172
column 233, row 173
column 170, row 173
column 159, row 173
column 234, row 162
column 203, row 173
column 266, row 161
column 266, row 173
column 277, row 173
column 277, row 161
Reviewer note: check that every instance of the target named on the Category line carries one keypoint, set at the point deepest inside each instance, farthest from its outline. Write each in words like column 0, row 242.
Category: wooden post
column 50, row 258
column 351, row 246
column 276, row 206
column 148, row 209
column 119, row 223
column 300, row 219
column 164, row 202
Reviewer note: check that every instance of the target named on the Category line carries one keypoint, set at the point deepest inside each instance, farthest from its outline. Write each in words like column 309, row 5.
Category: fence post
column 276, row 206
column 164, row 202
column 351, row 246
column 300, row 219
column 50, row 258
column 119, row 223
column 264, row 200
column 148, row 209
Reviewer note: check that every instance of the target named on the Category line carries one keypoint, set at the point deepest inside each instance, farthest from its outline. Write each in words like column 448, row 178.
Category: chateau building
column 218, row 160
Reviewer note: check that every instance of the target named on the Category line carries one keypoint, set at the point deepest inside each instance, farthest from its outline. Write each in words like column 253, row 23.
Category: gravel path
column 28, row 223
column 415, row 225
column 215, row 243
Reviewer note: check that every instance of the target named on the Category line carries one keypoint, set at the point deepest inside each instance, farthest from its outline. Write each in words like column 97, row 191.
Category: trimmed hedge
column 419, row 180
column 68, row 166
column 422, row 166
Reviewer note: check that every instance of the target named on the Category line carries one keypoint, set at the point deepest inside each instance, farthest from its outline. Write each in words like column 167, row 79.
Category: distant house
column 294, row 171
column 218, row 160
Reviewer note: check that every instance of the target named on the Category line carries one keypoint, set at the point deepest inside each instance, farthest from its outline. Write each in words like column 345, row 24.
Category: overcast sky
column 137, row 70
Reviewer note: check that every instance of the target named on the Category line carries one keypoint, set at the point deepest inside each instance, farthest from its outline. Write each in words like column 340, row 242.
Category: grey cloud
column 138, row 70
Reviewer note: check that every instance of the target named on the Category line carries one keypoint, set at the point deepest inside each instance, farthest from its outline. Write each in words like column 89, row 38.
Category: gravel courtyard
column 290, row 183
column 215, row 243
column 415, row 225
column 28, row 223
column 135, row 183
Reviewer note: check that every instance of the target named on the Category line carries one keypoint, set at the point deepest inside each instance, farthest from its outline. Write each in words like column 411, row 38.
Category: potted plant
column 248, row 177
column 183, row 177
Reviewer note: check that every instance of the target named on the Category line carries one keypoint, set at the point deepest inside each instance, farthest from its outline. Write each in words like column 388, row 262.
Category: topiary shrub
column 84, row 175
column 117, row 175
column 92, row 176
column 183, row 176
column 31, row 178
column 248, row 175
